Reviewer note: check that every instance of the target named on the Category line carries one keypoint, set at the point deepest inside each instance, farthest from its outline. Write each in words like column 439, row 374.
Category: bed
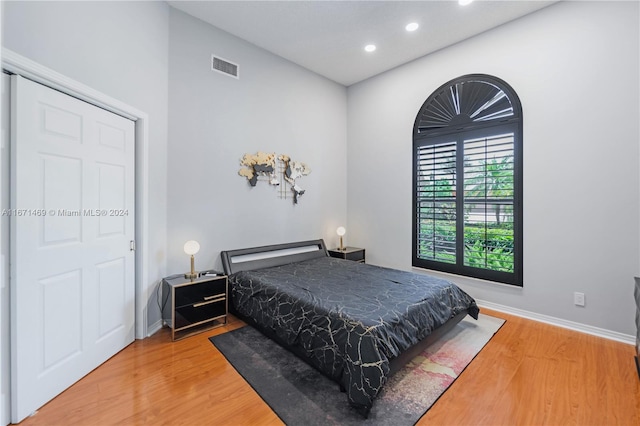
column 354, row 322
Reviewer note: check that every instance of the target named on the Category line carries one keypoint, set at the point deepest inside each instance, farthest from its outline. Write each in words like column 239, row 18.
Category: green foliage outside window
column 487, row 248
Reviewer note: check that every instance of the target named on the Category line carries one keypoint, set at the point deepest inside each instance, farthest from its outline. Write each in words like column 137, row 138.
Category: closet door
column 72, row 224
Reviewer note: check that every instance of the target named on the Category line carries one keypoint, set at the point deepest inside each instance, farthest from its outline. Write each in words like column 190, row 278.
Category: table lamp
column 341, row 231
column 191, row 248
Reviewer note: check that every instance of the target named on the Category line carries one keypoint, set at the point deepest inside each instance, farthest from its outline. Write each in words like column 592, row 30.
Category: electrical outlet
column 578, row 299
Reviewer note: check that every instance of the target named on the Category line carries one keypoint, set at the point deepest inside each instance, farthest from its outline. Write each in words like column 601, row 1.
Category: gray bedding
column 347, row 319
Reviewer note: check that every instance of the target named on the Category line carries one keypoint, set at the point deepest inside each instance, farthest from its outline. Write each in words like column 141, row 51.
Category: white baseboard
column 559, row 322
column 154, row 328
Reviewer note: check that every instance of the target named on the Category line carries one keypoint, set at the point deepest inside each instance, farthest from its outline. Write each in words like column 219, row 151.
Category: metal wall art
column 278, row 170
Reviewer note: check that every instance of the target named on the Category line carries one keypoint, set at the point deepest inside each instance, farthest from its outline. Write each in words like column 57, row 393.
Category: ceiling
column 328, row 37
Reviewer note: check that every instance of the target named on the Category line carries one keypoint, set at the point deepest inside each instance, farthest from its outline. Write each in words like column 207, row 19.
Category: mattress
column 348, row 319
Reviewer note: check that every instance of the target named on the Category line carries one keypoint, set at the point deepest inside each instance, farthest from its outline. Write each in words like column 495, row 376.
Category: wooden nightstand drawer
column 201, row 292
column 199, row 313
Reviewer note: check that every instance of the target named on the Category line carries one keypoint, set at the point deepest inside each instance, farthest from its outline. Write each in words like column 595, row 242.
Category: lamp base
column 191, row 276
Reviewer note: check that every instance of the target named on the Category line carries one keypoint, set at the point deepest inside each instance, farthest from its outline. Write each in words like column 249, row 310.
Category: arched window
column 467, row 180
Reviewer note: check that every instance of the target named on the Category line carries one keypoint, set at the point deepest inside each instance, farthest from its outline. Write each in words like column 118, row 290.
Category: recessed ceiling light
column 464, row 2
column 412, row 26
column 370, row 47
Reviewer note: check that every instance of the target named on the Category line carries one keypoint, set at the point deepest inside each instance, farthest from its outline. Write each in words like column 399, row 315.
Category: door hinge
column 132, row 245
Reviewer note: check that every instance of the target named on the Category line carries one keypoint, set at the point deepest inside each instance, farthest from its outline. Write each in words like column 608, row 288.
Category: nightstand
column 194, row 306
column 349, row 253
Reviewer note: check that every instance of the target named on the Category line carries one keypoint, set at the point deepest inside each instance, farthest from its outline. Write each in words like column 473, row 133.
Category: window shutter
column 467, row 219
column 488, row 202
column 436, row 187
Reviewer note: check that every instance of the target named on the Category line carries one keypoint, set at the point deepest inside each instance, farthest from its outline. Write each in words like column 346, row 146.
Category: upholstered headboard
column 268, row 256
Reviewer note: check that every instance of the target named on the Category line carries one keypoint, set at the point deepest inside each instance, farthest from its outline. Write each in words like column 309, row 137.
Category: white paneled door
column 72, row 226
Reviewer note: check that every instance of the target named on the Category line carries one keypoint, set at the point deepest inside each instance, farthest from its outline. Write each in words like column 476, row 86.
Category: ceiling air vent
column 225, row 67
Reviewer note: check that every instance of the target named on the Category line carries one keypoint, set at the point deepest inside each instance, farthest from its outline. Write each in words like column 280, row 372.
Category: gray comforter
column 348, row 319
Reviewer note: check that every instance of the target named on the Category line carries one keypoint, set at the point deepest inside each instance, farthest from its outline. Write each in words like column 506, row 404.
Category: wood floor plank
column 530, row 373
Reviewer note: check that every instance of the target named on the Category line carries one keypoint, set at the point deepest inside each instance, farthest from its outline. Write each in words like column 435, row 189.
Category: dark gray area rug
column 300, row 395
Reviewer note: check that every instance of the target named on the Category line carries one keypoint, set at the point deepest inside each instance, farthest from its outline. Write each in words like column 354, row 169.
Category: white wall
column 117, row 48
column 575, row 68
column 275, row 106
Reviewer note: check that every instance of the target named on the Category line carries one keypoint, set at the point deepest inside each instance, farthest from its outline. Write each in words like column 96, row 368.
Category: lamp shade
column 191, row 247
column 341, row 231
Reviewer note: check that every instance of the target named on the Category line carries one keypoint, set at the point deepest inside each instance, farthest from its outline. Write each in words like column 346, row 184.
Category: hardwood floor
column 529, row 374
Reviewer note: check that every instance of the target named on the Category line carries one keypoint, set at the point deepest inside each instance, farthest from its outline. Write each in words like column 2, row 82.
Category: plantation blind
column 436, row 192
column 488, row 202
